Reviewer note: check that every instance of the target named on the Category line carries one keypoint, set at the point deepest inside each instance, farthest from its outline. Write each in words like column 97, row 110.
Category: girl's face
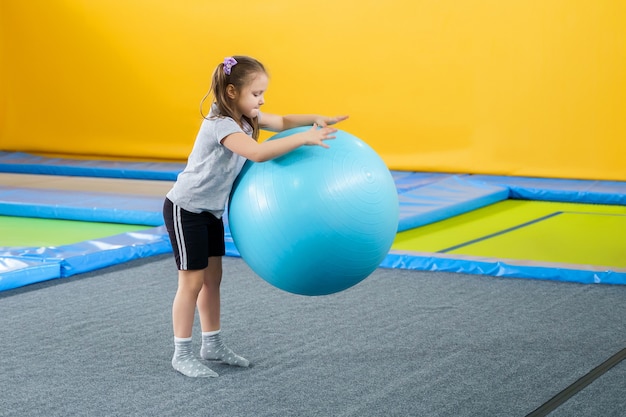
column 250, row 98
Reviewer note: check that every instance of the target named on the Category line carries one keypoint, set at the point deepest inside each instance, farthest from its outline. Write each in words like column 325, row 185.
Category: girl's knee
column 191, row 281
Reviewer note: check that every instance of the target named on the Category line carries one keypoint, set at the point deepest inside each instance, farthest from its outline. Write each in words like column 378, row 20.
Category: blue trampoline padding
column 562, row 190
column 446, row 198
column 231, row 249
column 425, row 261
column 406, row 181
column 82, row 257
column 16, row 272
column 80, row 205
column 424, row 198
column 25, row 163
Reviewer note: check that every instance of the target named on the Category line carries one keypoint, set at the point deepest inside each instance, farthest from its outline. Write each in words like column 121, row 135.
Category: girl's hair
column 240, row 74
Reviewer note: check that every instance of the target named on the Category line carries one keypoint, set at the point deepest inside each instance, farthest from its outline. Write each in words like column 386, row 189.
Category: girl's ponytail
column 236, row 70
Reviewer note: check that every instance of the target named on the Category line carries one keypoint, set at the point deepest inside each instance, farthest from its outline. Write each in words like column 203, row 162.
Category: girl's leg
column 209, row 297
column 209, row 310
column 183, row 310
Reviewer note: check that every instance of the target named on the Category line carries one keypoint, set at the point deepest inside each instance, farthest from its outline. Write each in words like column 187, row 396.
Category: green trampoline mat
column 35, row 232
column 569, row 233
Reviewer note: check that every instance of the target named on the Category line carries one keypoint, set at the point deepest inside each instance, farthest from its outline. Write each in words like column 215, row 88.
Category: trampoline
column 568, row 233
column 110, row 212
column 38, row 232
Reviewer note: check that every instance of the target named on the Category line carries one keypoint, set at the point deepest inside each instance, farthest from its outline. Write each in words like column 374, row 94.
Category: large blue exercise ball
column 315, row 221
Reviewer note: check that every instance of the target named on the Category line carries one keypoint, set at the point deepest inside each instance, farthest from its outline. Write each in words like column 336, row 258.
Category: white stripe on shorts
column 180, row 237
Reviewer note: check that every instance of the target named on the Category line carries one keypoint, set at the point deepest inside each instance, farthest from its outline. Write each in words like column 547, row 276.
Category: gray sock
column 187, row 364
column 214, row 349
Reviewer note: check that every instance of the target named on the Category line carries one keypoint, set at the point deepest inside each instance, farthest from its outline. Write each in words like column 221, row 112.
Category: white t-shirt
column 206, row 182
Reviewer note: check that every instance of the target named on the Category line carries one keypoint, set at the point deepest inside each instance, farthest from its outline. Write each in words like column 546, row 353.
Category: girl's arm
column 277, row 123
column 244, row 145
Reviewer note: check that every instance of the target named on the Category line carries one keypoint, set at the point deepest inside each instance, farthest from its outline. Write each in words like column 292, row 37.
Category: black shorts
column 194, row 237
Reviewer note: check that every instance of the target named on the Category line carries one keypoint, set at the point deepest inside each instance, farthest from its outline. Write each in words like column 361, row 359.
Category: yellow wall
column 516, row 87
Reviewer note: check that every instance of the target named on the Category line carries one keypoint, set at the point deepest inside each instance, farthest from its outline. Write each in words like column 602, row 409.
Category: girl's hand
column 317, row 135
column 327, row 121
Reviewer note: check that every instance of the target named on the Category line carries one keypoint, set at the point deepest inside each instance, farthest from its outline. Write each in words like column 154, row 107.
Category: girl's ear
column 231, row 91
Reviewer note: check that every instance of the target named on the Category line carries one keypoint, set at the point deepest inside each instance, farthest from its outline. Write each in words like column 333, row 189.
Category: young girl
column 193, row 208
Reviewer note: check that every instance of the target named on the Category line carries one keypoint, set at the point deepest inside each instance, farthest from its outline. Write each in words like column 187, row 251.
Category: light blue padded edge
column 81, row 257
column 24, row 163
column 83, row 206
column 562, row 190
column 446, row 198
column 502, row 268
column 17, row 272
column 406, row 181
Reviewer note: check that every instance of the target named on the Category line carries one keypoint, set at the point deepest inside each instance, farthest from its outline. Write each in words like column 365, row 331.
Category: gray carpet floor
column 401, row 343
